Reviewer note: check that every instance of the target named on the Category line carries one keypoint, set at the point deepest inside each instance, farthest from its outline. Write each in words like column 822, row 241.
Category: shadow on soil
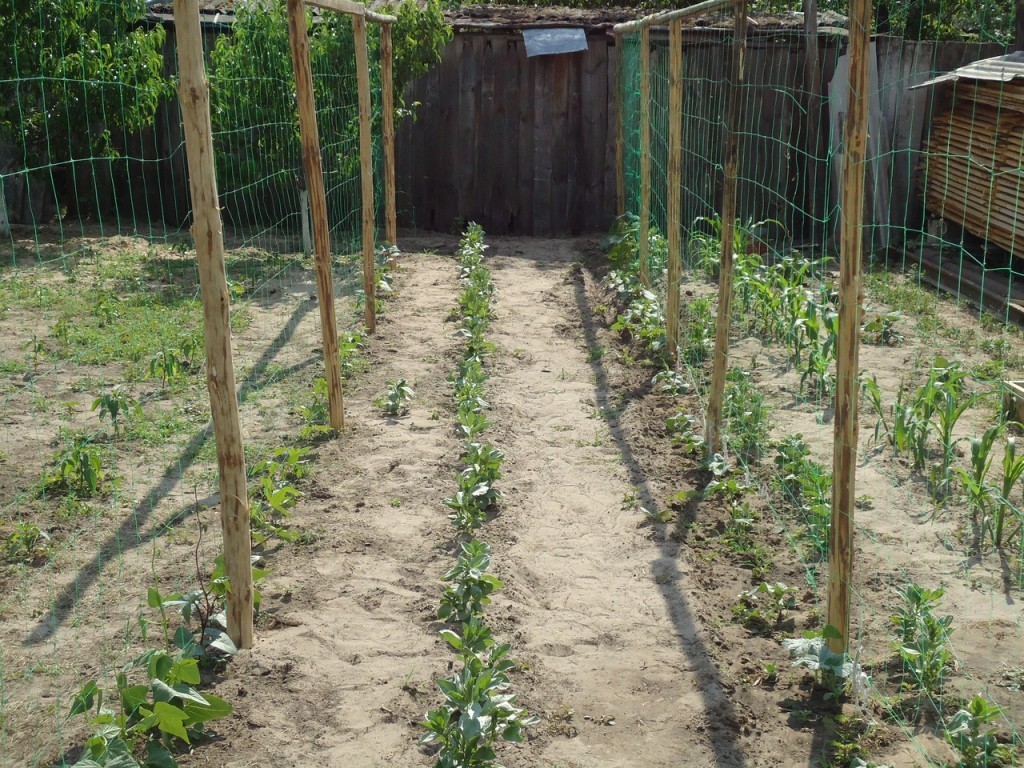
column 129, row 534
column 665, row 570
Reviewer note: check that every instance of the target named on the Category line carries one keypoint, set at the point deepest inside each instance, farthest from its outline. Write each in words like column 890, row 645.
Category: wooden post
column 318, row 206
column 645, row 155
column 814, row 163
column 620, row 134
column 675, row 183
column 1018, row 26
column 366, row 172
column 713, row 436
column 844, row 468
column 194, row 94
column 388, row 110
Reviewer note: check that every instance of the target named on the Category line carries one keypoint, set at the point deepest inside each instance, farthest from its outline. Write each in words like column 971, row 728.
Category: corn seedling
column 980, row 495
column 394, row 401
column 807, row 488
column 1013, row 471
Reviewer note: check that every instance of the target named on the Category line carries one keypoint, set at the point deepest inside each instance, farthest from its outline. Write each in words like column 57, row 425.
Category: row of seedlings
column 784, row 302
column 477, row 710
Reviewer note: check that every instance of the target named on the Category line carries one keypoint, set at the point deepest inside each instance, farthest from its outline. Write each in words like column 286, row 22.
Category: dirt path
column 601, row 615
column 348, row 668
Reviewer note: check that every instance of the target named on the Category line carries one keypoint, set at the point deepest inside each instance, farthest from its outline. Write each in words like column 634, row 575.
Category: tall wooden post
column 620, row 133
column 194, row 94
column 645, row 155
column 675, row 183
column 814, row 163
column 388, row 110
column 366, row 172
column 713, row 437
column 318, row 206
column 844, row 468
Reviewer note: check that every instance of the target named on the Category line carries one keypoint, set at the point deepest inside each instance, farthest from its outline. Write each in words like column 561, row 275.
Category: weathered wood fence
column 519, row 145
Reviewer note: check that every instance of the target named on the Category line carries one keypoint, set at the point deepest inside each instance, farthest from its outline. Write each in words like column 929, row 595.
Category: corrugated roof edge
column 997, row 69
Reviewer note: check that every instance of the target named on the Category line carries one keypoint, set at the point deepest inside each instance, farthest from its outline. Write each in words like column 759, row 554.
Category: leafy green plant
column 78, row 471
column 114, row 403
column 27, row 543
column 470, row 584
column 923, row 638
column 980, row 495
column 807, row 487
column 833, row 671
column 969, row 732
column 684, row 430
column 746, row 413
column 395, row 399
column 477, row 710
column 316, row 415
column 159, row 716
column 881, row 330
column 350, row 346
column 765, row 606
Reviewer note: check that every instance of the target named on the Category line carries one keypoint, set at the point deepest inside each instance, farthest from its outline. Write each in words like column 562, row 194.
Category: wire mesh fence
column 109, row 468
column 942, row 273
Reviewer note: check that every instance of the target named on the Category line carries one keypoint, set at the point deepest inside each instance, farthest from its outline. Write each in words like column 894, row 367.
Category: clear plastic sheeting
column 544, row 42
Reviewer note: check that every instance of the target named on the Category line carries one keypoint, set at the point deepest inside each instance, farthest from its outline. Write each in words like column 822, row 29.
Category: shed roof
column 1001, row 69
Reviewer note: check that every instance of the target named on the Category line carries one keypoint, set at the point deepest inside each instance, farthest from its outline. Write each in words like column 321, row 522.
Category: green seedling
column 470, row 585
column 881, row 330
column 1013, row 471
column 923, row 638
column 395, row 399
column 685, row 431
column 158, row 716
column 477, row 710
column 981, row 496
column 78, row 471
column 832, row 671
column 746, row 413
column 316, row 415
column 969, row 732
column 765, row 605
column 115, row 403
column 27, row 543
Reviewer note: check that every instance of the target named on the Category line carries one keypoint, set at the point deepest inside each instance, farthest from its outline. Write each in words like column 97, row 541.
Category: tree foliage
column 253, row 100
column 72, row 73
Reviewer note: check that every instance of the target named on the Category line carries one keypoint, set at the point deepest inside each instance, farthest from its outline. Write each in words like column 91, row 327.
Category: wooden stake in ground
column 194, row 94
column 388, row 110
column 318, row 206
column 844, row 467
column 814, row 163
column 366, row 172
column 620, row 134
column 645, row 156
column 675, row 184
column 713, row 436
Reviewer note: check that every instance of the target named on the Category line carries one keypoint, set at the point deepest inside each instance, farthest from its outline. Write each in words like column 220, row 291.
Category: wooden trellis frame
column 208, row 235
column 207, row 232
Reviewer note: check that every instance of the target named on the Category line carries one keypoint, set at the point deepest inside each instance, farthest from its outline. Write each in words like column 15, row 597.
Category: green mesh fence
column 944, row 268
column 99, row 299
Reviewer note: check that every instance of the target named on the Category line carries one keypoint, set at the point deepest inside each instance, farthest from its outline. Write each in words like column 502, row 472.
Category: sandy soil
column 622, row 627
